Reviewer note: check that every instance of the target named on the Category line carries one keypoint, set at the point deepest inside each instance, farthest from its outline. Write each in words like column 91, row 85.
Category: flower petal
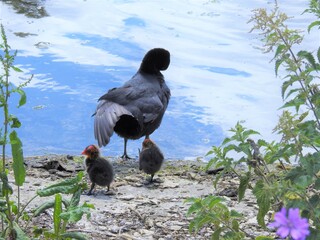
column 296, row 234
column 283, row 231
column 294, row 215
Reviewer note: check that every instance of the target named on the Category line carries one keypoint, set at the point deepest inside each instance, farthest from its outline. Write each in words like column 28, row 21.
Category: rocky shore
column 134, row 209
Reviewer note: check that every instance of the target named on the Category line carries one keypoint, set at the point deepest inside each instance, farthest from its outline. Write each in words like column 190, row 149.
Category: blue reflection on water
column 114, row 46
column 134, row 21
column 227, row 71
column 57, row 116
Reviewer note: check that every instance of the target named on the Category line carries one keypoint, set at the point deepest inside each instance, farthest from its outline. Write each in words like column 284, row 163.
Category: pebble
column 63, row 174
column 168, row 184
column 114, row 229
column 126, row 197
column 175, row 227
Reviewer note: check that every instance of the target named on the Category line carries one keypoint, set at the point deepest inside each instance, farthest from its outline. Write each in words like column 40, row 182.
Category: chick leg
column 92, row 187
column 151, row 179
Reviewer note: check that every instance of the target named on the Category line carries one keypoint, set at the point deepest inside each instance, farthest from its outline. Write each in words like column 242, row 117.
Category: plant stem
column 6, row 66
column 23, row 209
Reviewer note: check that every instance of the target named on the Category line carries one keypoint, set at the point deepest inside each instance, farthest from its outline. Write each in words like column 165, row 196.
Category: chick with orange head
column 99, row 169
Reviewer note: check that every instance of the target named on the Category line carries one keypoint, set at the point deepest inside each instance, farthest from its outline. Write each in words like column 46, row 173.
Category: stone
column 126, row 197
column 114, row 229
column 175, row 227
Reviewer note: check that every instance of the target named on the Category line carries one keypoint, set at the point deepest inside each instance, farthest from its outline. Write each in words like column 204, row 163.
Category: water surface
column 77, row 50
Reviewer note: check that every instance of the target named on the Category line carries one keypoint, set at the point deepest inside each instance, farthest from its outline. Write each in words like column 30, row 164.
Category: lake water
column 77, row 50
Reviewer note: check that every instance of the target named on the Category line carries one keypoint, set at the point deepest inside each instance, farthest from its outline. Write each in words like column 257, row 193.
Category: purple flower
column 290, row 224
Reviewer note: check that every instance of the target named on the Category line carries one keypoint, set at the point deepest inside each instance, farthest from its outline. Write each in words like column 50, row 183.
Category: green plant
column 300, row 127
column 284, row 173
column 211, row 210
column 64, row 211
column 8, row 135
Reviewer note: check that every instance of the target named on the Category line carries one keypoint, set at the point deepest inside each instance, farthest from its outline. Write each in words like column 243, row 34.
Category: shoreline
column 133, row 210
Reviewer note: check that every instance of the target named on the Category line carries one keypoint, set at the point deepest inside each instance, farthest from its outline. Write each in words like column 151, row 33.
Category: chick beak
column 84, row 152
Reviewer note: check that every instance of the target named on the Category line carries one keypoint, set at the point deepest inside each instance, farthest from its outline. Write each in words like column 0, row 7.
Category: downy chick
column 150, row 158
column 100, row 170
column 136, row 108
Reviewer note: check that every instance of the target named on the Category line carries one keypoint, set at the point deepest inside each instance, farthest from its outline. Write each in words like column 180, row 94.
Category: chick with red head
column 99, row 169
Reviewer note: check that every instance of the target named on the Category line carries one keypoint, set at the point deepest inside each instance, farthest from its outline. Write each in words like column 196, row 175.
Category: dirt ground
column 134, row 209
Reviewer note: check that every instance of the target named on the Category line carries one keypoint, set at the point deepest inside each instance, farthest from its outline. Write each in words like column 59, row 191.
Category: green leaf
column 235, row 225
column 67, row 186
column 318, row 54
column 75, row 198
column 244, row 182
column 263, row 195
column 279, row 50
column 19, row 233
column 317, row 184
column 287, row 84
column 235, row 214
column 309, row 57
column 56, row 214
column 191, row 200
column 203, row 221
column 226, row 140
column 195, row 207
column 23, row 97
column 49, row 191
column 296, row 102
column 15, row 122
column 16, row 69
column 43, row 207
column 277, row 65
column 216, row 234
column 3, row 203
column 264, row 238
column 75, row 214
column 313, row 24
column 74, row 235
column 18, row 161
column 211, row 162
column 248, row 133
column 50, row 235
column 6, row 188
column 315, row 201
column 304, row 181
column 47, row 205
